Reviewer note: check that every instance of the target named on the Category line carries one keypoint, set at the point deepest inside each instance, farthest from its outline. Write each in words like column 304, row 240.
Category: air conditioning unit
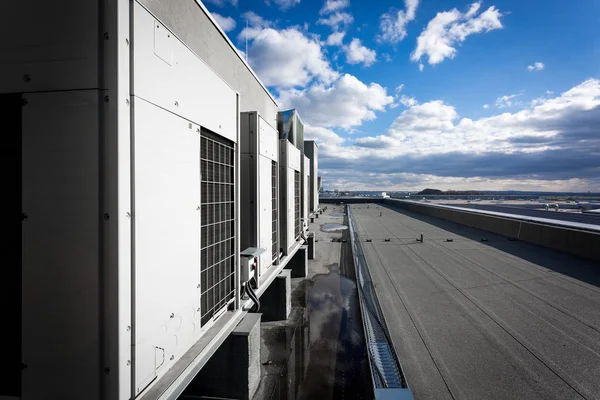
column 291, row 127
column 311, row 150
column 305, row 193
column 130, row 200
column 259, row 146
column 290, row 194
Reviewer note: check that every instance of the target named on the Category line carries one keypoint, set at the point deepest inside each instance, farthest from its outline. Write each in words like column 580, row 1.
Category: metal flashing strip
column 507, row 214
column 386, row 372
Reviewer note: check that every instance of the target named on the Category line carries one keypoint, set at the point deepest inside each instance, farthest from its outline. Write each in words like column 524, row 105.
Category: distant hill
column 438, row 192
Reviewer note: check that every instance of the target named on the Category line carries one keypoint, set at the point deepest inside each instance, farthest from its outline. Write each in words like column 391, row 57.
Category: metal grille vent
column 217, row 224
column 298, row 229
column 274, row 210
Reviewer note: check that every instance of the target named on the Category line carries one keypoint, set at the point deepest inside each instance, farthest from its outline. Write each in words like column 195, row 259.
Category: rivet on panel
column 106, row 216
column 127, row 41
column 176, row 104
column 26, row 78
column 172, row 358
column 128, row 214
column 190, row 126
column 172, row 315
column 128, row 328
column 128, row 362
column 24, row 102
column 105, row 36
column 106, row 99
column 127, row 101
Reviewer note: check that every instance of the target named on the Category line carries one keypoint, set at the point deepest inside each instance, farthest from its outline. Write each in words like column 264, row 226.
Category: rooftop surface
column 470, row 319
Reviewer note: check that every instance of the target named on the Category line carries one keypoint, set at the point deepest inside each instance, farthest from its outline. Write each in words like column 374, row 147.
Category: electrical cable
column 252, row 295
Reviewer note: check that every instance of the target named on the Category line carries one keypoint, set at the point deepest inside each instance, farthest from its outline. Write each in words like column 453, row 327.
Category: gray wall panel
column 193, row 26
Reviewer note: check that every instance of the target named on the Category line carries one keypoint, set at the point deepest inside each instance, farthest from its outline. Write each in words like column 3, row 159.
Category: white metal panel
column 291, row 222
column 306, row 190
column 45, row 45
column 60, row 259
column 264, row 212
column 294, row 158
column 186, row 87
column 269, row 140
column 167, row 239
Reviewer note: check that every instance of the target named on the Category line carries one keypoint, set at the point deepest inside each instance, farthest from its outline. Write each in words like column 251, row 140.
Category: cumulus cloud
column 537, row 66
column 226, row 23
column 356, row 53
column 335, row 39
column 552, row 144
column 346, row 103
column 392, row 24
column 336, row 21
column 399, row 89
column 507, row 101
column 486, row 106
column 408, row 101
column 222, row 3
column 421, row 67
column 450, row 28
column 283, row 4
column 286, row 58
column 331, row 6
column 255, row 20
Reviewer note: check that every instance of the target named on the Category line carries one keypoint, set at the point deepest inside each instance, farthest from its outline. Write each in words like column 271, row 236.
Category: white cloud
column 336, row 21
column 286, row 58
column 537, row 66
column 323, row 136
column 421, row 66
column 255, row 20
column 221, row 3
column 283, row 4
column 486, row 106
column 549, row 92
column 506, row 101
column 226, row 23
column 430, row 145
column 393, row 23
column 435, row 128
column 447, row 29
column 399, row 89
column 408, row 101
column 335, row 39
column 356, row 53
column 333, row 6
column 346, row 103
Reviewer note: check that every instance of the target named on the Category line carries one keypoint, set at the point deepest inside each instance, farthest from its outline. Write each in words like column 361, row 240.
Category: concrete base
column 276, row 301
column 299, row 263
column 311, row 246
column 234, row 370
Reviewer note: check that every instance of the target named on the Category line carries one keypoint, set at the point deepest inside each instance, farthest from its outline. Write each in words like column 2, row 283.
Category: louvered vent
column 218, row 224
column 298, row 229
column 274, row 223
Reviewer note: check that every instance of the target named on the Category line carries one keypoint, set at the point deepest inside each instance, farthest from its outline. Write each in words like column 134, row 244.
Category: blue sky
column 403, row 95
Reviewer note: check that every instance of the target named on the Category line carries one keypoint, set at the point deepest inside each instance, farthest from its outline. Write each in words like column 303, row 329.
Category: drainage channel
column 385, row 370
column 338, row 367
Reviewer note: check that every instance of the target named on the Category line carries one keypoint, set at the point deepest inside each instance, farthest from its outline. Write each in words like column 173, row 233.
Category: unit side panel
column 193, row 26
column 269, row 140
column 167, row 240
column 265, row 212
column 60, row 246
column 291, row 209
column 45, row 45
column 169, row 75
column 294, row 157
column 248, row 203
